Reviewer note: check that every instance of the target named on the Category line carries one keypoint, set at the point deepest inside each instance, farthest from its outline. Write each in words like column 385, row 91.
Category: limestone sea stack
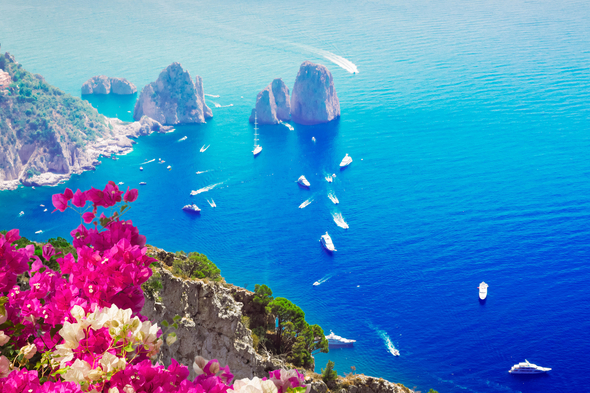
column 174, row 98
column 272, row 104
column 102, row 84
column 314, row 99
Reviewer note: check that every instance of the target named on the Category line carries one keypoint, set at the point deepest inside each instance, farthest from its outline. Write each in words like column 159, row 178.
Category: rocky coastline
column 314, row 99
column 272, row 104
column 102, row 84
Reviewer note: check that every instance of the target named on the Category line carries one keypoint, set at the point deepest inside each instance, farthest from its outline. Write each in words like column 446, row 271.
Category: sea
column 468, row 125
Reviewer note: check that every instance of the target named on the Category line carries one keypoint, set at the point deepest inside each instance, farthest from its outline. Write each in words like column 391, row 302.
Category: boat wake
column 147, row 162
column 334, row 58
column 323, row 279
column 204, row 148
column 199, row 172
column 339, row 220
column 212, row 95
column 205, row 189
column 390, row 347
column 211, row 203
column 306, row 203
column 289, row 126
column 333, row 198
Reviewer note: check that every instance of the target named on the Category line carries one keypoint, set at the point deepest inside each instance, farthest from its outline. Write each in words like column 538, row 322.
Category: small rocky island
column 102, row 84
column 314, row 99
column 174, row 98
column 273, row 104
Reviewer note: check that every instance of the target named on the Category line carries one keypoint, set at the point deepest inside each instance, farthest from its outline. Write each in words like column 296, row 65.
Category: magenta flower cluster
column 80, row 329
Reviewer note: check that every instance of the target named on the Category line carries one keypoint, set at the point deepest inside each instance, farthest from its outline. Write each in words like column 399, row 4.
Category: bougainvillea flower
column 130, row 195
column 48, row 251
column 88, row 217
column 60, row 202
column 79, row 199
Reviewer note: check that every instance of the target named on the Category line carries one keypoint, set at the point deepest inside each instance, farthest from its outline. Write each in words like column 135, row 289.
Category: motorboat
column 192, row 208
column 121, row 183
column 315, row 284
column 182, row 139
column 141, row 168
column 45, row 210
column 483, row 290
column 204, row 148
column 38, row 232
column 21, row 213
column 335, row 341
column 528, row 368
column 303, row 181
column 257, row 147
column 329, row 179
column 333, row 199
column 313, row 139
column 169, row 167
column 395, row 352
column 42, row 205
column 142, row 183
column 326, row 241
column 345, row 161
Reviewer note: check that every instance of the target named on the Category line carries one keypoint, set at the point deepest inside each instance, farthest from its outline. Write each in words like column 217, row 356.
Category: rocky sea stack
column 174, row 98
column 314, row 99
column 272, row 104
column 102, row 84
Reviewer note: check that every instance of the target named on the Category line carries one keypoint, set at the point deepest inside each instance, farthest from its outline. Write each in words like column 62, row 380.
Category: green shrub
column 196, row 265
column 328, row 373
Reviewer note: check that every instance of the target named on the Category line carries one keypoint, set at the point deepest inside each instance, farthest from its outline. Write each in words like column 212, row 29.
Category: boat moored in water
column 528, row 368
column 142, row 183
column 191, row 208
column 483, row 290
column 335, row 341
column 345, row 161
column 141, row 168
column 327, row 243
column 303, row 181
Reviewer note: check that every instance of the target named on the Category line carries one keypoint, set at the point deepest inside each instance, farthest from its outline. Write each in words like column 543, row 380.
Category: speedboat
column 303, row 181
column 169, row 167
column 326, row 241
column 45, row 210
column 121, row 183
column 21, row 213
column 333, row 199
column 313, row 139
column 395, row 352
column 345, row 161
column 483, row 290
column 141, row 168
column 528, row 368
column 42, row 205
column 182, row 139
column 335, row 341
column 142, row 183
column 204, row 148
column 38, row 232
column 315, row 284
column 192, row 208
column 329, row 179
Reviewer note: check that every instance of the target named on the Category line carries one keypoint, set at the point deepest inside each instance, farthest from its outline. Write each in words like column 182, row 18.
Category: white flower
column 29, row 350
column 113, row 390
column 4, row 367
column 3, row 338
column 199, row 364
column 62, row 355
column 78, row 313
column 171, row 339
column 129, row 389
column 255, row 385
column 110, row 362
column 77, row 372
column 72, row 333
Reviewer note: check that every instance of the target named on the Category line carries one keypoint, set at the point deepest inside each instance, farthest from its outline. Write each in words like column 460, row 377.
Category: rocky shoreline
column 120, row 142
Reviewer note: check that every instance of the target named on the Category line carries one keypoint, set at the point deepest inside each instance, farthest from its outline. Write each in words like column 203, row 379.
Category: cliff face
column 173, row 98
column 210, row 326
column 102, row 84
column 272, row 104
column 5, row 80
column 358, row 384
column 314, row 98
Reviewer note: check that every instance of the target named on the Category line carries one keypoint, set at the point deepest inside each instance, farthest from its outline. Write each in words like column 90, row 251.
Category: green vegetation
column 432, row 391
column 196, row 265
column 40, row 113
column 328, row 373
column 262, row 295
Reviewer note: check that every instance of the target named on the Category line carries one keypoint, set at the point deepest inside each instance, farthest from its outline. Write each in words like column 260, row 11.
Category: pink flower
column 88, row 217
column 130, row 195
column 60, row 202
column 79, row 199
column 48, row 251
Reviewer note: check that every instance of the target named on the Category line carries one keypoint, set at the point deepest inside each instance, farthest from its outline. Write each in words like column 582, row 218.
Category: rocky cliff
column 174, row 98
column 102, row 84
column 356, row 384
column 314, row 98
column 273, row 104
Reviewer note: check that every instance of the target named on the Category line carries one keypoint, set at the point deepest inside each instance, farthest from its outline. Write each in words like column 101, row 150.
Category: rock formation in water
column 273, row 104
column 102, row 84
column 314, row 98
column 43, row 140
column 173, row 98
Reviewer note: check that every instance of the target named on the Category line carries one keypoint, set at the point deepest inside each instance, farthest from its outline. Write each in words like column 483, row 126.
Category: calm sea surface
column 468, row 123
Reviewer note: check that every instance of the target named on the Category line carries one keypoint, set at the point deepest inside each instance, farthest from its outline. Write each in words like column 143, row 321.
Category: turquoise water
column 468, row 125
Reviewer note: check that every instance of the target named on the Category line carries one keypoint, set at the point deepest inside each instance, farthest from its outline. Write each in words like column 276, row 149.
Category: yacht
column 257, row 147
column 121, row 183
column 335, row 341
column 45, row 210
column 326, row 241
column 182, row 139
column 21, row 213
column 315, row 284
column 191, row 208
column 141, row 168
column 345, row 161
column 169, row 167
column 142, row 183
column 42, row 205
column 528, row 368
column 38, row 232
column 303, row 181
column 483, row 290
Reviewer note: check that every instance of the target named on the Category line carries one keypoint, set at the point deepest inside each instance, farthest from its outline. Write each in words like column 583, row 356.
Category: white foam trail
column 205, row 189
column 333, row 198
column 334, row 58
column 390, row 347
column 306, row 203
column 147, row 162
column 182, row 139
column 212, row 95
column 208, row 170
column 211, row 203
column 339, row 220
column 204, row 148
column 324, row 279
column 289, row 126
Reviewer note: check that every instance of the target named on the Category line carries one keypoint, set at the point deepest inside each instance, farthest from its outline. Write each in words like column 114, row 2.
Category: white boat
column 38, row 232
column 182, row 139
column 303, row 181
column 395, row 352
column 21, row 213
column 345, row 161
column 42, row 205
column 142, row 183
column 121, row 183
column 204, row 148
column 289, row 126
column 326, row 241
column 33, row 187
column 192, row 208
column 315, row 284
column 335, row 341
column 483, row 290
column 313, row 139
column 169, row 167
column 305, row 203
column 257, row 147
column 528, row 368
column 141, row 168
column 45, row 210
column 329, row 179
column 333, row 199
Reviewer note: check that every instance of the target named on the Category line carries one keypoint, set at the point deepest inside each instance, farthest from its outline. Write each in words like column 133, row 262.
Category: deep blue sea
column 469, row 127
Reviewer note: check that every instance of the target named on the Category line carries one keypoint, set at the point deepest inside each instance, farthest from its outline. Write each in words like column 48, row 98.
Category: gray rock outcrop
column 211, row 325
column 359, row 384
column 5, row 80
column 102, row 84
column 314, row 99
column 272, row 104
column 173, row 98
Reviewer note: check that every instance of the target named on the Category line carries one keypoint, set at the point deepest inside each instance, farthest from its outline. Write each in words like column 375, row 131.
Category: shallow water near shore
column 469, row 129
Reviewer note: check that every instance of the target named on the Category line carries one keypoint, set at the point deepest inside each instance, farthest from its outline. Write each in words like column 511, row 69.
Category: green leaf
column 176, row 318
column 175, row 325
column 165, row 323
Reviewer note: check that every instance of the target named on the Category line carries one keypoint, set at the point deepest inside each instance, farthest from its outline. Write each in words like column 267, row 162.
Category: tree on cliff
column 262, row 294
column 290, row 319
